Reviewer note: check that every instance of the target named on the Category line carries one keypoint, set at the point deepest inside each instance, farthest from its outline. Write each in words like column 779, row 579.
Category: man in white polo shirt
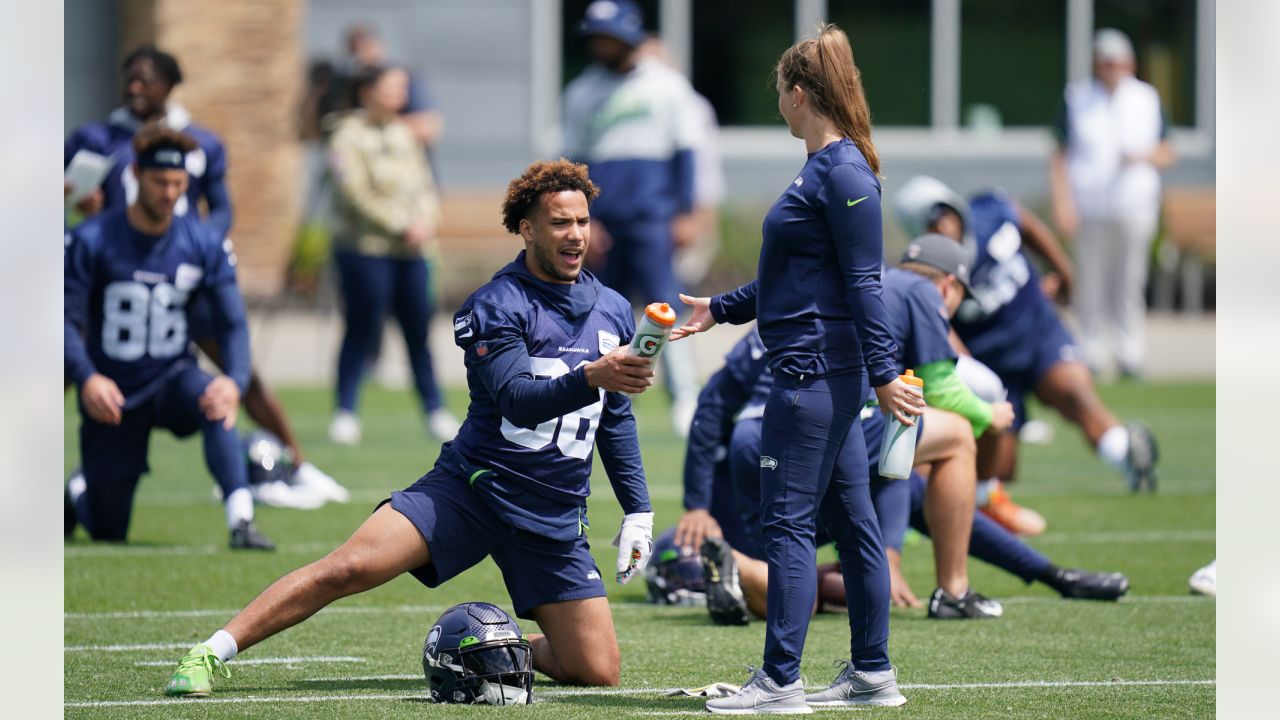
column 1106, row 195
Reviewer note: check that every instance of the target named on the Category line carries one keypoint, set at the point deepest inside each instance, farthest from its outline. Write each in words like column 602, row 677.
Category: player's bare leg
column 948, row 444
column 1068, row 388
column 385, row 546
column 753, row 578
column 578, row 645
column 1130, row 448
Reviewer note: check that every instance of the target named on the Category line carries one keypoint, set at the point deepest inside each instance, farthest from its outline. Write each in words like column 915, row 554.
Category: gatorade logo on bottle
column 647, row 345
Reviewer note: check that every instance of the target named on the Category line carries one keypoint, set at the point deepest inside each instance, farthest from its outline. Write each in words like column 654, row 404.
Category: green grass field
column 132, row 610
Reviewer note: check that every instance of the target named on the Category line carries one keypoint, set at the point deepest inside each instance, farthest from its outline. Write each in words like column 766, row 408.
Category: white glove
column 635, row 543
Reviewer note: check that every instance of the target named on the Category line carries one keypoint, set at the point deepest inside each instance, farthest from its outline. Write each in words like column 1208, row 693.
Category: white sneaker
column 442, row 424
column 344, row 429
column 279, row 493
column 1205, row 580
column 312, row 480
column 1036, row 432
column 852, row 688
column 682, row 410
column 762, row 696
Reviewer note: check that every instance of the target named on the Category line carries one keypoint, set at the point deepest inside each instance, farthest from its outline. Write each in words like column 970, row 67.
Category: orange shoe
column 1015, row 518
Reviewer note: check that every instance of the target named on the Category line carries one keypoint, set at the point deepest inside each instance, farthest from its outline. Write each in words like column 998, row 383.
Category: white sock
column 223, row 645
column 75, row 487
column 1113, row 447
column 985, row 488
column 239, row 506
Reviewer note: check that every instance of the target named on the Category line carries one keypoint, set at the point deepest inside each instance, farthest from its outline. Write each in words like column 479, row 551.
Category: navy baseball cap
column 941, row 252
column 618, row 19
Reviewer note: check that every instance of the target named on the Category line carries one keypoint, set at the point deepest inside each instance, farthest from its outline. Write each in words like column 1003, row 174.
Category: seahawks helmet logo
column 768, row 463
column 432, row 639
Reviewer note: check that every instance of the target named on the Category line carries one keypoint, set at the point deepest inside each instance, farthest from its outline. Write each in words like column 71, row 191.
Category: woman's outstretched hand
column 699, row 321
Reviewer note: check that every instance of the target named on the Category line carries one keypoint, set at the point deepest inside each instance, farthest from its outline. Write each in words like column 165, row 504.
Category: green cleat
column 194, row 676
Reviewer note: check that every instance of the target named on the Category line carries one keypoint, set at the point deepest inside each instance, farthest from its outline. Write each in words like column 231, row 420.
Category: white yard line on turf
column 1127, row 536
column 298, row 660
column 1126, row 600
column 100, row 551
column 1088, row 538
column 341, row 610
column 126, row 648
column 657, row 692
column 615, row 607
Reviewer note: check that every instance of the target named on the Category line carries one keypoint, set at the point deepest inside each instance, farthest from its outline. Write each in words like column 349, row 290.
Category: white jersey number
column 573, row 433
column 137, row 321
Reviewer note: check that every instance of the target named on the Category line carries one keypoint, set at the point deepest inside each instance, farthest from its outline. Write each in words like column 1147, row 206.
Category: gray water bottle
column 898, row 448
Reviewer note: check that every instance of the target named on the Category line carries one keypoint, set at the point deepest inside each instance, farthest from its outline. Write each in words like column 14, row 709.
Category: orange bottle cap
column 661, row 313
column 911, row 379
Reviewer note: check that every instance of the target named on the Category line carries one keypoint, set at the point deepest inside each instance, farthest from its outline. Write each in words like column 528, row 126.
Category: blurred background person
column 695, row 253
column 150, row 75
column 420, row 111
column 1105, row 184
column 629, row 117
column 388, row 213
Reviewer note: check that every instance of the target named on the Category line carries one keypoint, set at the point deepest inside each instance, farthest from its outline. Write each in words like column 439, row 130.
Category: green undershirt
column 943, row 389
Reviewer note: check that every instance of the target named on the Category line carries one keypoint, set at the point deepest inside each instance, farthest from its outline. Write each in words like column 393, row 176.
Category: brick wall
column 243, row 65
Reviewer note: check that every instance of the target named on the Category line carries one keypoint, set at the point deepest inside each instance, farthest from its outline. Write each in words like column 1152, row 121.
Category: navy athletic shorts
column 461, row 529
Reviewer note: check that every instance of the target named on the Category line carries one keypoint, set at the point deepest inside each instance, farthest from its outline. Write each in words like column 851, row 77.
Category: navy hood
column 573, row 301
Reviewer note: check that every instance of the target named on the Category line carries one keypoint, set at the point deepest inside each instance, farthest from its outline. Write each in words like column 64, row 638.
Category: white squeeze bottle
column 898, row 448
column 652, row 331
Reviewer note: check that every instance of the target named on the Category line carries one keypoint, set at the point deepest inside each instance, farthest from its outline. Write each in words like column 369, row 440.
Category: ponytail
column 824, row 67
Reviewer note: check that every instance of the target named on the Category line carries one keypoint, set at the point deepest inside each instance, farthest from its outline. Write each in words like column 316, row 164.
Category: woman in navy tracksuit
column 817, row 302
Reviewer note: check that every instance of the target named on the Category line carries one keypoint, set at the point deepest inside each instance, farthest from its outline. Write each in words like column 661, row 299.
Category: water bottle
column 652, row 331
column 898, row 448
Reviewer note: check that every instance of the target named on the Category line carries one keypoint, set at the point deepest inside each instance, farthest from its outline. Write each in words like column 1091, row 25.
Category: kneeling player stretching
column 543, row 342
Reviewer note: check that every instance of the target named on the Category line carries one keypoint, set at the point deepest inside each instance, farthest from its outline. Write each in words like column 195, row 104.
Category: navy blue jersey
column 126, row 298
column 207, row 165
column 917, row 319
column 1006, row 312
column 744, row 374
column 817, row 292
column 533, row 419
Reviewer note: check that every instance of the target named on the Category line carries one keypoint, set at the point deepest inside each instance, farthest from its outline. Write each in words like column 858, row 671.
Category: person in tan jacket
column 388, row 210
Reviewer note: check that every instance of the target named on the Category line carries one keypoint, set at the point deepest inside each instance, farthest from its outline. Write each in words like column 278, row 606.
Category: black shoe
column 724, row 594
column 1086, row 585
column 1143, row 454
column 971, row 606
column 246, row 537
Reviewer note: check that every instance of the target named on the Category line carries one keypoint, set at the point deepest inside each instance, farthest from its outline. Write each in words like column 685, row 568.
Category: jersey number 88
column 138, row 320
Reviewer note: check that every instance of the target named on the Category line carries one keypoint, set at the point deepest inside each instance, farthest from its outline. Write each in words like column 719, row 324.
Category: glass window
column 1164, row 35
column 1013, row 61
column 890, row 40
column 575, row 48
column 736, row 44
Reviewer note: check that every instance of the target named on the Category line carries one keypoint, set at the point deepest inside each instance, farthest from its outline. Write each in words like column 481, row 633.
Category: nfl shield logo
column 482, row 349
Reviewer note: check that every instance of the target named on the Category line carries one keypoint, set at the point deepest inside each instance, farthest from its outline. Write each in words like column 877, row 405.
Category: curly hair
column 540, row 178
column 153, row 135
